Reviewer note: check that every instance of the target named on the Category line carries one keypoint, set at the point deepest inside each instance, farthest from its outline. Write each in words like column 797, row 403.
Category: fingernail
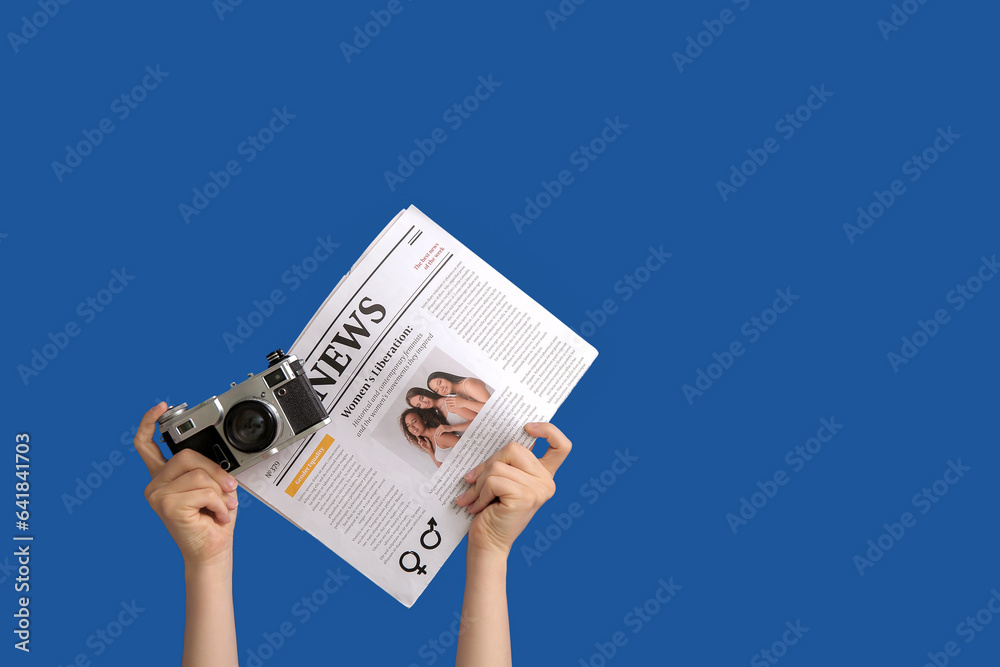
column 530, row 426
column 460, row 497
column 231, row 482
column 231, row 501
column 468, row 475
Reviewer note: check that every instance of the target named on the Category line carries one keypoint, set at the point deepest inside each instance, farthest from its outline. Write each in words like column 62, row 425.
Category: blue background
column 656, row 185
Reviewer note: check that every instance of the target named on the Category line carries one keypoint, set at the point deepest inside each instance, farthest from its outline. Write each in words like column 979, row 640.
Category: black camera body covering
column 252, row 421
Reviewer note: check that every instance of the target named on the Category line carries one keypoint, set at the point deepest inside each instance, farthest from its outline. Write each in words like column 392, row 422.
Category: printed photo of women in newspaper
column 428, row 424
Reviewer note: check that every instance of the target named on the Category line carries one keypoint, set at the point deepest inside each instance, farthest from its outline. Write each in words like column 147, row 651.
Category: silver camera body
column 253, row 420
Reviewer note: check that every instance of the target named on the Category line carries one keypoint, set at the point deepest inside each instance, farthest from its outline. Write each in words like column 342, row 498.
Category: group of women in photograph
column 439, row 415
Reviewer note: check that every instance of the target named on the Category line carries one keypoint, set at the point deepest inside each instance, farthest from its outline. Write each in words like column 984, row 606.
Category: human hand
column 426, row 445
column 194, row 497
column 520, row 481
column 442, row 429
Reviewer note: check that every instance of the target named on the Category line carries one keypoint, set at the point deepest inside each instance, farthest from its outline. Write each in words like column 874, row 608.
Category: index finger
column 148, row 451
column 559, row 444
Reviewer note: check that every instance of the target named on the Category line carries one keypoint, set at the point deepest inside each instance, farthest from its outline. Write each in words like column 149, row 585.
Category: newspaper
column 421, row 320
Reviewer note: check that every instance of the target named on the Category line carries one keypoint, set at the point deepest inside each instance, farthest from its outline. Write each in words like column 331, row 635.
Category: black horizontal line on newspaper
column 416, row 236
column 364, row 361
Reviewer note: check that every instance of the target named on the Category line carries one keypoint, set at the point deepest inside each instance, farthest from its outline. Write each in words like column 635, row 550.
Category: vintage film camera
column 255, row 419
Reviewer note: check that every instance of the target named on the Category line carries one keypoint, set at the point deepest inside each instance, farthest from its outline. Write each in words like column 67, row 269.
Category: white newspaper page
column 428, row 361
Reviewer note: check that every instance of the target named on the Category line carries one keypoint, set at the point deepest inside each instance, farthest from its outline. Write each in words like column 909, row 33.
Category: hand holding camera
column 194, row 493
column 194, row 497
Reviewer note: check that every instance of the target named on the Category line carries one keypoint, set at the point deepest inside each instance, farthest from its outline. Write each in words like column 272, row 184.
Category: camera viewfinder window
column 185, row 427
column 277, row 377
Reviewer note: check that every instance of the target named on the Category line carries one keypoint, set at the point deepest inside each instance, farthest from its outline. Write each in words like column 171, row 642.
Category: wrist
column 219, row 567
column 487, row 559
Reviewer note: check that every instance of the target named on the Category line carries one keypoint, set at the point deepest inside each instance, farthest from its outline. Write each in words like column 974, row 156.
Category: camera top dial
column 171, row 413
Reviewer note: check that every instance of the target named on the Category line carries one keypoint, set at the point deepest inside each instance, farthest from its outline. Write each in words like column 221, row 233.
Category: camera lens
column 250, row 426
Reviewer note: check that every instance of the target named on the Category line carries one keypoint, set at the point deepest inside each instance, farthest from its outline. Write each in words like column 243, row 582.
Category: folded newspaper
column 428, row 361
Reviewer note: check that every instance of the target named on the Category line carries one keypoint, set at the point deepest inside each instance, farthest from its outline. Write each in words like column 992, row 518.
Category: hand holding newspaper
column 428, row 361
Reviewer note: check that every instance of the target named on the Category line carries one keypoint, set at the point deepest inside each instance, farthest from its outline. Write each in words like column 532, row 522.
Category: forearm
column 210, row 625
column 484, row 638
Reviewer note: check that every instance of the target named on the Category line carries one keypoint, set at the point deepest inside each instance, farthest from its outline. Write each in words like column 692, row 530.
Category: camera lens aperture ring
column 251, row 426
